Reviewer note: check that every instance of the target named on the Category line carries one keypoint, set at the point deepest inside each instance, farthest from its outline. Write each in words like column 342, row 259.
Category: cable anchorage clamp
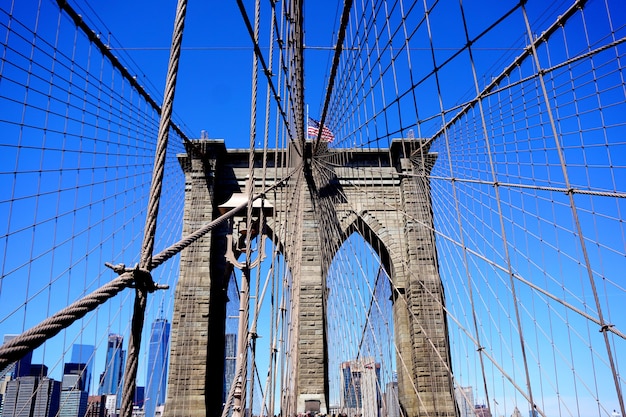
column 142, row 279
column 606, row 327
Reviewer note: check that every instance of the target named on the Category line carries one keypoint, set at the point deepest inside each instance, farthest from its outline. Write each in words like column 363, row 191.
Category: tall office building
column 73, row 403
column 392, row 403
column 32, row 395
column 157, row 366
column 230, row 363
column 140, row 397
column 48, row 397
column 465, row 400
column 73, row 393
column 96, row 406
column 19, row 397
column 74, row 377
column 111, row 404
column 111, row 378
column 360, row 393
column 85, row 354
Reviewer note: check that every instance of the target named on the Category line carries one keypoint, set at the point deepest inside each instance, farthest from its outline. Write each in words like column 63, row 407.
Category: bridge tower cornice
column 382, row 194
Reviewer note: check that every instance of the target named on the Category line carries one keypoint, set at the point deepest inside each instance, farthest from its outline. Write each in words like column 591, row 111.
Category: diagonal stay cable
column 267, row 71
column 345, row 15
column 48, row 328
column 610, row 328
column 106, row 51
column 36, row 336
column 145, row 285
column 561, row 20
column 169, row 252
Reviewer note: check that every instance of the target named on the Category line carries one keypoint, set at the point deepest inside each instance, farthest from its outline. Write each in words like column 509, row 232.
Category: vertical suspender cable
column 145, row 263
column 574, row 210
column 347, row 5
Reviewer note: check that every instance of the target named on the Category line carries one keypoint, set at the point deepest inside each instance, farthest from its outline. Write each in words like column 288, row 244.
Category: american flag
column 313, row 130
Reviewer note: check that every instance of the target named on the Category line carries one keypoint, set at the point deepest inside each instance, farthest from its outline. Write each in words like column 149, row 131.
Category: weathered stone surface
column 376, row 194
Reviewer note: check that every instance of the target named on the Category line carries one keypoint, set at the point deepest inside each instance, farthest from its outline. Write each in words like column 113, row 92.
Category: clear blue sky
column 213, row 94
column 213, row 91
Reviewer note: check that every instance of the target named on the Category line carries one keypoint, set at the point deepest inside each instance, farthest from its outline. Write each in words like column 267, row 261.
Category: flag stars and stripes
column 313, row 127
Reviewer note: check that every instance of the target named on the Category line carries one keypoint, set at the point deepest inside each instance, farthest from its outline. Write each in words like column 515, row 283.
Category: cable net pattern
column 506, row 121
column 523, row 105
column 77, row 155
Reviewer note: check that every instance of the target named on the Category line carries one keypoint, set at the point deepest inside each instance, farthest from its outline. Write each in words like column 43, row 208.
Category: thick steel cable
column 174, row 249
column 244, row 336
column 258, row 301
column 543, row 37
column 267, row 71
column 470, row 336
column 574, row 210
column 141, row 292
column 106, row 51
column 345, row 16
column 517, row 276
column 36, row 336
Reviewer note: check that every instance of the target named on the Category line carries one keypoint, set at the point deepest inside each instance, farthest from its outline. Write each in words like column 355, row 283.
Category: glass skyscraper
column 111, row 378
column 84, row 354
column 157, row 366
column 73, row 403
column 360, row 393
column 73, row 394
column 32, row 395
column 230, row 363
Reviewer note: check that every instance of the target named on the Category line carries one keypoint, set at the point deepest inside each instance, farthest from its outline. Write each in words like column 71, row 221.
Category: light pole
column 243, row 228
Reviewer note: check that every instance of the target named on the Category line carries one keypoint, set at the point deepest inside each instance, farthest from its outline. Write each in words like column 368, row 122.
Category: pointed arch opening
column 361, row 338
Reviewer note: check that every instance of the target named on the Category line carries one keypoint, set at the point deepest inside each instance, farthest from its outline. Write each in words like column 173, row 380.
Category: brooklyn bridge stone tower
column 395, row 218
